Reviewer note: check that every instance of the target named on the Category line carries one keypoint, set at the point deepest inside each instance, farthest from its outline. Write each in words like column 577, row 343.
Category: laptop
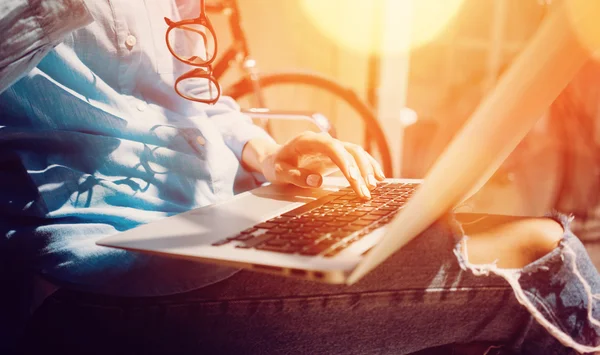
column 330, row 235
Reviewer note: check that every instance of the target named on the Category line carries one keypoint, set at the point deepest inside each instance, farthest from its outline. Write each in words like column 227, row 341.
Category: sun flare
column 359, row 25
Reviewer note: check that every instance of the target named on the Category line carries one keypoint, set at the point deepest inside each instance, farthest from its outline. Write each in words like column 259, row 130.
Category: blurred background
column 422, row 67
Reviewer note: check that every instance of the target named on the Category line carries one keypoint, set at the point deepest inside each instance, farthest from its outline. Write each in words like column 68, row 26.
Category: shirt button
column 141, row 106
column 130, row 41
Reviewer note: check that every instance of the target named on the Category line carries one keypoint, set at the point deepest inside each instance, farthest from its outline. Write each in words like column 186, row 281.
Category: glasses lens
column 193, row 43
column 202, row 89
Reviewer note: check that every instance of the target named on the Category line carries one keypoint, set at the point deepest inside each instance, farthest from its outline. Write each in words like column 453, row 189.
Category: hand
column 306, row 158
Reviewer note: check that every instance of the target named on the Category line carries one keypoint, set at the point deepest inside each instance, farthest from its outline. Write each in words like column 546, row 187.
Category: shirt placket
column 128, row 44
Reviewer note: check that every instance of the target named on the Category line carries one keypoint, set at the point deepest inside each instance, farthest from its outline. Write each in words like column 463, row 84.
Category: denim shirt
column 94, row 140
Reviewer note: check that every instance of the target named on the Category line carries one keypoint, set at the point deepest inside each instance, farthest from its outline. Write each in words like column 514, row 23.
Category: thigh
column 418, row 298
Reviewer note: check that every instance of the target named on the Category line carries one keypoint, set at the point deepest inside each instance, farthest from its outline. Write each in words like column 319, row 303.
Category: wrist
column 256, row 152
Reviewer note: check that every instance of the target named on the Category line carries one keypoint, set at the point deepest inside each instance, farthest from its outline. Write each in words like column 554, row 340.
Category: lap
column 422, row 296
column 418, row 298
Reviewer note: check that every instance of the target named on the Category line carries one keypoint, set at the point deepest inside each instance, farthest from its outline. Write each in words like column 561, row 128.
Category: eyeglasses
column 194, row 42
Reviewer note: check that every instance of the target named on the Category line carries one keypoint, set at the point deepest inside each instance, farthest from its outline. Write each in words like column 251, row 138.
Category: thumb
column 290, row 174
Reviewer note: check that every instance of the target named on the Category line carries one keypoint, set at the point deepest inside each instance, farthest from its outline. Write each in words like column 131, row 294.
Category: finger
column 377, row 168
column 364, row 164
column 352, row 173
column 335, row 150
column 289, row 174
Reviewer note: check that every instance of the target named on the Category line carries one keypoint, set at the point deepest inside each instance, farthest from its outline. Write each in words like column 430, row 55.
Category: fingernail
column 365, row 191
column 313, row 180
column 380, row 173
column 353, row 172
column 371, row 180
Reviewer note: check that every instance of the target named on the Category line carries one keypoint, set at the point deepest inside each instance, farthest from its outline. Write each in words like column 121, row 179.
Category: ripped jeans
column 426, row 295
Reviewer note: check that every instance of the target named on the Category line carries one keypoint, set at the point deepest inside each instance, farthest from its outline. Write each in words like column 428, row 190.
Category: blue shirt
column 94, row 140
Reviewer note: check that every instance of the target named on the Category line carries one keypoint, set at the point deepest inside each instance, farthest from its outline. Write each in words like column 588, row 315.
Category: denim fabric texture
column 560, row 290
column 94, row 140
column 421, row 297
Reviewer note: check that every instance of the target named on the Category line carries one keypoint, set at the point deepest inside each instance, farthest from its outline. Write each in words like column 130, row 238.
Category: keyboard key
column 304, row 219
column 316, row 236
column 337, row 224
column 380, row 213
column 346, row 218
column 256, row 241
column 365, row 209
column 356, row 214
column 279, row 230
column 325, row 218
column 280, row 220
column 379, row 199
column 326, row 229
column 309, row 206
column 302, row 242
column 321, row 225
column 312, row 225
column 290, row 236
column 291, row 225
column 362, row 223
column 265, row 225
column 303, row 230
column 276, row 242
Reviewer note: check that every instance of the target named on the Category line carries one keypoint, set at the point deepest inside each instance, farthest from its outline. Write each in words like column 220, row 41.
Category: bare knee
column 514, row 244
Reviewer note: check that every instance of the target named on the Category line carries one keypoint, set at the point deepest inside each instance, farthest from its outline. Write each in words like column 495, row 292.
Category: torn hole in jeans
column 563, row 254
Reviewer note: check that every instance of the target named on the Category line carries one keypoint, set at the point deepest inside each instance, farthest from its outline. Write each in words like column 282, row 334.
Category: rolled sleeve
column 31, row 28
column 237, row 129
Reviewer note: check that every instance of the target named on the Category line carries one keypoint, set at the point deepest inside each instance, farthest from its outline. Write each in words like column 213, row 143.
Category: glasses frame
column 202, row 70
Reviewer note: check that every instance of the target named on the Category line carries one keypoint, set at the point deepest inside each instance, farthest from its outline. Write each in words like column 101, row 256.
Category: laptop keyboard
column 327, row 225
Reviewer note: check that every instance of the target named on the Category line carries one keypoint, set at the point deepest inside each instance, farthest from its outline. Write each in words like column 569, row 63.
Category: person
column 96, row 141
